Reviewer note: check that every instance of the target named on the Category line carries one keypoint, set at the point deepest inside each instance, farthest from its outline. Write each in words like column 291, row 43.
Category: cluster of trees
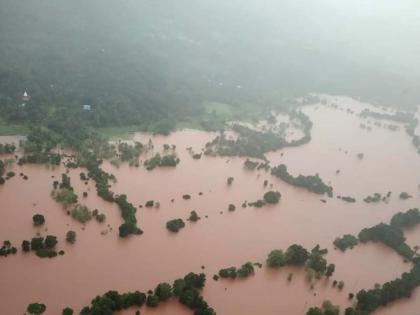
column 370, row 300
column 100, row 217
column 390, row 236
column 43, row 247
column 188, row 294
column 250, row 143
column 38, row 145
column 65, row 196
column 407, row 219
column 318, row 263
column 410, row 128
column 270, row 197
column 311, row 183
column 128, row 213
column 81, row 213
column 347, row 199
column 175, row 225
column 65, row 193
column 100, row 177
column 113, row 301
column 2, row 167
column 257, row 204
column 7, row 249
column 186, row 290
column 306, row 125
column 40, row 158
column 7, row 148
column 171, row 160
column 327, row 309
column 376, row 197
column 9, row 174
column 297, row 255
column 244, row 271
column 252, row 165
column 255, row 143
column 345, row 242
column 398, row 116
column 130, row 153
column 407, row 118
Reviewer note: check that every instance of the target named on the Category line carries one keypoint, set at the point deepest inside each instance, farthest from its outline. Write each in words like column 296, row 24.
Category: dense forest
column 153, row 64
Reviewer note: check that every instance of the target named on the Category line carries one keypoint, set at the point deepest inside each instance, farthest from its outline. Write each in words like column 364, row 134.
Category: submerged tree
column 272, row 197
column 175, row 225
column 36, row 308
column 276, row 258
column 38, row 219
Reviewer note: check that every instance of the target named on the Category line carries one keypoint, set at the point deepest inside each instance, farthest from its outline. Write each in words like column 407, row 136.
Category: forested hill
column 144, row 61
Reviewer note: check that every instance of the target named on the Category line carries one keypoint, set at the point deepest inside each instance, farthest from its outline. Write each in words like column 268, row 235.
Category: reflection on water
column 97, row 263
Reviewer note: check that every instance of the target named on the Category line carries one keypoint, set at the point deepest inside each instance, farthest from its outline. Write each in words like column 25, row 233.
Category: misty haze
column 231, row 157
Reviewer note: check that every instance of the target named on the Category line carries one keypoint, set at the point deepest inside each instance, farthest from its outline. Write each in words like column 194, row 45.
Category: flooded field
column 100, row 261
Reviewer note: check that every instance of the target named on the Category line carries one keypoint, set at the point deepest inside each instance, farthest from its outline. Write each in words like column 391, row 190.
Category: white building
column 26, row 97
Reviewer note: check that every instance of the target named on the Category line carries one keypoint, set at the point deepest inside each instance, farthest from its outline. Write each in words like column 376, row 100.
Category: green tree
column 296, row 255
column 50, row 241
column 67, row 311
column 276, row 259
column 37, row 243
column 314, row 311
column 330, row 270
column 129, row 228
column 26, row 246
column 71, row 237
column 193, row 216
column 38, row 219
column 66, row 196
column 36, row 309
column 81, row 213
column 152, row 301
column 178, row 287
column 272, row 197
column 175, row 225
column 163, row 291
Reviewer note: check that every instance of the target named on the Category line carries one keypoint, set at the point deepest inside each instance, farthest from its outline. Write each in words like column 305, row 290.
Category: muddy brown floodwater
column 97, row 263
